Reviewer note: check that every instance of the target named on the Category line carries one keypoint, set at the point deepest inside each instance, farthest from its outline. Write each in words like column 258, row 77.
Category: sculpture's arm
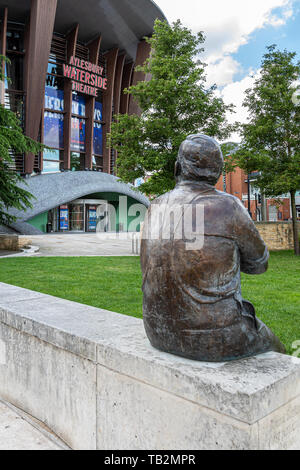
column 253, row 251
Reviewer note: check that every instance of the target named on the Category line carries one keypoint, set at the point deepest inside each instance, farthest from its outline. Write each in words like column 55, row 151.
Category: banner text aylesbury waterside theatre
column 86, row 77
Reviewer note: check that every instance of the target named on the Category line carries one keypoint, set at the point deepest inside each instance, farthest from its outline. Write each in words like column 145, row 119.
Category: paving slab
column 17, row 433
column 83, row 244
column 6, row 253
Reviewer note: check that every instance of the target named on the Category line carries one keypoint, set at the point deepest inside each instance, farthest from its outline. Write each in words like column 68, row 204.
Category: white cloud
column 227, row 24
column 235, row 93
column 222, row 71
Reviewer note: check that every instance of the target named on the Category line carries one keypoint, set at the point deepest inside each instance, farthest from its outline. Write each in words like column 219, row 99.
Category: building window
column 97, row 163
column 77, row 161
column 52, row 161
column 15, row 38
column 14, row 72
column 16, row 102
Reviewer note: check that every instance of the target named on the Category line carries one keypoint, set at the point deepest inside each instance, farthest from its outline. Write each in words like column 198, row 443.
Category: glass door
column 91, row 218
column 77, row 218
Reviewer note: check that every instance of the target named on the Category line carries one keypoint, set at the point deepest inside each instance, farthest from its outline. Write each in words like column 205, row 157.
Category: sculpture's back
column 192, row 297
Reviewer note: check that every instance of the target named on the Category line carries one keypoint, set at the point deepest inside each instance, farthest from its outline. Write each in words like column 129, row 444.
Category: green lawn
column 115, row 284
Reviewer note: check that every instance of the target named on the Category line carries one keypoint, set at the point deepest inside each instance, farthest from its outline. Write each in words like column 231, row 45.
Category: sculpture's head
column 200, row 158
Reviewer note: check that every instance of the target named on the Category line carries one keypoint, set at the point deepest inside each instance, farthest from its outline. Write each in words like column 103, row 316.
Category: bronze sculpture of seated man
column 193, row 305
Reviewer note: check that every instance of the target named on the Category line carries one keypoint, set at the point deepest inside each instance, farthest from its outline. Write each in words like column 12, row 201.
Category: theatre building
column 69, row 64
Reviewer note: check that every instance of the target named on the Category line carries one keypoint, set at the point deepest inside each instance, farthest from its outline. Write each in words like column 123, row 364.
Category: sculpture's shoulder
column 163, row 199
column 229, row 201
column 228, row 198
column 211, row 198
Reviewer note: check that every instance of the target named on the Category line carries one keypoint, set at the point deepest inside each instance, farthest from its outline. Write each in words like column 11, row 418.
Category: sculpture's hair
column 200, row 158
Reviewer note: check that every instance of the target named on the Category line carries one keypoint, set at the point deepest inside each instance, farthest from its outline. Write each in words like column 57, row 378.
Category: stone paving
column 83, row 244
column 6, row 253
column 18, row 433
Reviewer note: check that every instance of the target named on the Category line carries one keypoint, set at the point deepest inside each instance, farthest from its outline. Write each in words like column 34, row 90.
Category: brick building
column 236, row 183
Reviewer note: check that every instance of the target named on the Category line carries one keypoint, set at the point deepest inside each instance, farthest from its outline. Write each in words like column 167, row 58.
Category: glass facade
column 54, row 118
column 53, row 126
column 54, row 110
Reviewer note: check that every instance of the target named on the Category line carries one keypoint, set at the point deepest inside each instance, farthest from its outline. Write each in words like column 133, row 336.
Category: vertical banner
column 64, row 218
column 54, row 122
column 98, row 131
column 78, row 135
column 92, row 219
column 78, row 125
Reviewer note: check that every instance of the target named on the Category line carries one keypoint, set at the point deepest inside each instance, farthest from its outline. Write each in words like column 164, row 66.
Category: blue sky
column 286, row 36
column 237, row 33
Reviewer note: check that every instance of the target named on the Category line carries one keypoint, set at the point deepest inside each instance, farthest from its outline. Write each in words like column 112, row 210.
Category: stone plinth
column 92, row 377
column 13, row 242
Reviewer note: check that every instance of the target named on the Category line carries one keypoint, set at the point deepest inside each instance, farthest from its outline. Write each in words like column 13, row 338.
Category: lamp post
column 249, row 196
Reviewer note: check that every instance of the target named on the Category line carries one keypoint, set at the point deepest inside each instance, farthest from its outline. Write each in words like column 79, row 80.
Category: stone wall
column 92, row 377
column 13, row 242
column 277, row 235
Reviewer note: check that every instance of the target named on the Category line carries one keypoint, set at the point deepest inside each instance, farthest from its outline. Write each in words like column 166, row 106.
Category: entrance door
column 91, row 218
column 76, row 218
column 106, row 217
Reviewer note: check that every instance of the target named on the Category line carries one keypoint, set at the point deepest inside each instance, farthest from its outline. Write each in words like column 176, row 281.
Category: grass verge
column 115, row 284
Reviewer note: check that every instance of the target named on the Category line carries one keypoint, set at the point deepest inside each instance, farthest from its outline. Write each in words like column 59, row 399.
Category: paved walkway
column 83, row 244
column 19, row 432
column 6, row 253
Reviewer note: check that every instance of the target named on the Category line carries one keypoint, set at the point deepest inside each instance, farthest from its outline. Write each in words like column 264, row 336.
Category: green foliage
column 271, row 140
column 12, row 141
column 174, row 103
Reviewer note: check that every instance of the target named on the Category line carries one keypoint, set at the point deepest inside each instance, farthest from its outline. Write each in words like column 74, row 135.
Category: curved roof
column 56, row 189
column 122, row 23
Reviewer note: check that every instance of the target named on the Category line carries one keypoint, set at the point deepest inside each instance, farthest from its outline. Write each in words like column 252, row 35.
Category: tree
column 174, row 103
column 271, row 139
column 12, row 140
